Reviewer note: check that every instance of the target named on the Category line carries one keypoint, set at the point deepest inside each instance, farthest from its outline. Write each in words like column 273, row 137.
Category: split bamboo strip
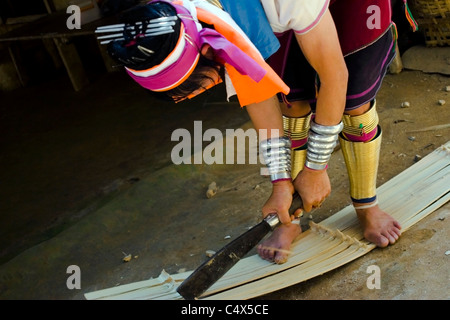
column 311, row 249
column 310, row 253
column 337, row 240
column 424, row 213
column 303, row 272
column 254, row 268
column 164, row 280
column 426, row 195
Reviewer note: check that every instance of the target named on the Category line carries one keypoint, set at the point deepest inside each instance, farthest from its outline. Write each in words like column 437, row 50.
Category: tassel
column 395, row 35
column 410, row 17
column 285, row 100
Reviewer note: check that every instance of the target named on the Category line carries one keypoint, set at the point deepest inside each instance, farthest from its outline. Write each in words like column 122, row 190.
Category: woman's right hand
column 313, row 186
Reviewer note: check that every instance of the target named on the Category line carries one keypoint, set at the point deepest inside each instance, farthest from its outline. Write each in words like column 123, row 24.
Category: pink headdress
column 180, row 63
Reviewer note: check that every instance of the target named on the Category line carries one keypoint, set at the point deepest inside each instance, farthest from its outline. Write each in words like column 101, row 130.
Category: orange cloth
column 248, row 91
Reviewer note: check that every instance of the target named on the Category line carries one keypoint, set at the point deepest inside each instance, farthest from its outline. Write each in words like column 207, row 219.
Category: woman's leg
column 296, row 120
column 360, row 144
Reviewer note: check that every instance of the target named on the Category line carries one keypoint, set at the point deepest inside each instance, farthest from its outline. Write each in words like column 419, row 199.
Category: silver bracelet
column 327, row 130
column 277, row 156
column 321, row 143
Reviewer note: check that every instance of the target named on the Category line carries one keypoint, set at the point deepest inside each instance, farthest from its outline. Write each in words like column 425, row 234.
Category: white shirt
column 298, row 15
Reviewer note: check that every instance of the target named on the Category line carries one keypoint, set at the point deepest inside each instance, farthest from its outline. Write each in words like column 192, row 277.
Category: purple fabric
column 227, row 52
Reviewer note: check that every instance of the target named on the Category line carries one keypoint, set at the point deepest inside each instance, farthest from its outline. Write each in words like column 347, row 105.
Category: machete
column 202, row 278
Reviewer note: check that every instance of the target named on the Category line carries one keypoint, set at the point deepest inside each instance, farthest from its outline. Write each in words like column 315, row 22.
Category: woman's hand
column 313, row 186
column 280, row 201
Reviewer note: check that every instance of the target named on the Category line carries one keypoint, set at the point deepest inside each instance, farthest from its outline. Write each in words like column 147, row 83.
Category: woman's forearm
column 322, row 49
column 266, row 117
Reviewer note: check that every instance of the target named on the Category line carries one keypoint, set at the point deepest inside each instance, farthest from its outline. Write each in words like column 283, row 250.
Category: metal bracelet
column 280, row 176
column 277, row 156
column 327, row 130
column 275, row 143
column 321, row 143
column 315, row 166
column 321, row 138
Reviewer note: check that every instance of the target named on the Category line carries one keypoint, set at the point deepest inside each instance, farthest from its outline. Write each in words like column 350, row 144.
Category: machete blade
column 202, row 278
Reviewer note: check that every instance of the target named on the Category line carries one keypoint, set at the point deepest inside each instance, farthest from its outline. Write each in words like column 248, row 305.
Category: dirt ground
column 87, row 179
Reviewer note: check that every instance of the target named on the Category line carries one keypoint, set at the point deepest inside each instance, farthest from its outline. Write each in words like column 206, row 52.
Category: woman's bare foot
column 276, row 248
column 379, row 227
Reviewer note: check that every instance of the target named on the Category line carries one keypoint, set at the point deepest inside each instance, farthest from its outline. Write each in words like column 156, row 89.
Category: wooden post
column 49, row 6
column 49, row 45
column 17, row 62
column 72, row 62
